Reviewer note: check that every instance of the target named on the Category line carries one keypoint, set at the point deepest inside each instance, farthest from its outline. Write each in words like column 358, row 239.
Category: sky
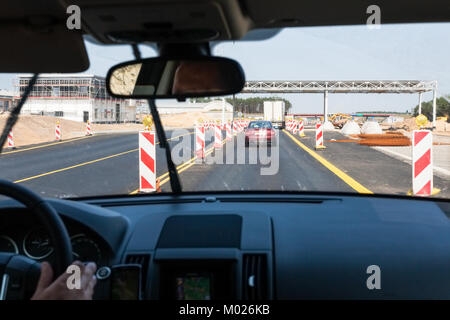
column 393, row 52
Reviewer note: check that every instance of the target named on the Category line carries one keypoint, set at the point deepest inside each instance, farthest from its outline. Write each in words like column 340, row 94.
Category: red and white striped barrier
column 11, row 140
column 147, row 162
column 88, row 129
column 217, row 137
column 291, row 125
column 301, row 128
column 319, row 136
column 235, row 127
column 422, row 162
column 229, row 134
column 295, row 127
column 58, row 131
column 200, row 142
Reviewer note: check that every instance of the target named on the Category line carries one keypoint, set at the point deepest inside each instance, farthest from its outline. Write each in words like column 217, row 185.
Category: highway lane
column 297, row 170
column 108, row 164
column 342, row 167
column 377, row 171
column 103, row 164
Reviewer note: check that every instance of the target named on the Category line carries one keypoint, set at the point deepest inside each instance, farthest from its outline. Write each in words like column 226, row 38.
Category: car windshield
column 344, row 103
column 260, row 125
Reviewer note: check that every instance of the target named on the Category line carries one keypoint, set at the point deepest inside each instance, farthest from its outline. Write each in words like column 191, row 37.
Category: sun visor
column 31, row 50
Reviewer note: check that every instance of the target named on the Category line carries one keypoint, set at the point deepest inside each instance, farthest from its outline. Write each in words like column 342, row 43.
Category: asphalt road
column 108, row 164
column 103, row 164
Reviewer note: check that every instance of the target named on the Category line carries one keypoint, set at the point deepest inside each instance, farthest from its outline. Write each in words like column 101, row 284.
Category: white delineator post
column 229, row 134
column 217, row 137
column 57, row 131
column 319, row 136
column 301, row 128
column 11, row 140
column 422, row 162
column 147, row 162
column 200, row 142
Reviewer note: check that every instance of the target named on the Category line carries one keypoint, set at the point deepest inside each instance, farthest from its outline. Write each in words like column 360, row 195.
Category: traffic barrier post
column 319, row 136
column 147, row 161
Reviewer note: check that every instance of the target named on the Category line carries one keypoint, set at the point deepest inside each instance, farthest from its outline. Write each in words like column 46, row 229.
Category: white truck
column 274, row 112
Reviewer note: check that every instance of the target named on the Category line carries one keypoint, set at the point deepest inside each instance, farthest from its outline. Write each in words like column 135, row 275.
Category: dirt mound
column 32, row 129
column 183, row 120
column 36, row 129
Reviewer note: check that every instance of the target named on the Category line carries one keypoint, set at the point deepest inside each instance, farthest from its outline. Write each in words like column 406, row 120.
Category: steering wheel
column 19, row 274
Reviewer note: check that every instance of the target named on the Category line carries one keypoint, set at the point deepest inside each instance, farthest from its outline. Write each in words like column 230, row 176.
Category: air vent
column 143, row 260
column 254, row 272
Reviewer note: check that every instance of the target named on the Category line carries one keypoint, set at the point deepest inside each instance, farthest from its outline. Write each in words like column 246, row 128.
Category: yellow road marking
column 46, row 145
column 345, row 177
column 70, row 140
column 88, row 162
column 74, row 166
column 182, row 167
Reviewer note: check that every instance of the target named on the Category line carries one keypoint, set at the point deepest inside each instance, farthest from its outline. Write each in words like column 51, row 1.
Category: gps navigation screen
column 193, row 287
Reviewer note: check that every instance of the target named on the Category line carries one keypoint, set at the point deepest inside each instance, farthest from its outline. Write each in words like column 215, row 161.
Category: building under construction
column 78, row 97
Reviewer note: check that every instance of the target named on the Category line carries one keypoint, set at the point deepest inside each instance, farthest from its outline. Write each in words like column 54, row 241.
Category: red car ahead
column 259, row 131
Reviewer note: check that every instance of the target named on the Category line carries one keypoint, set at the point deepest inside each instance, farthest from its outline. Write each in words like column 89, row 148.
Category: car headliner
column 42, row 43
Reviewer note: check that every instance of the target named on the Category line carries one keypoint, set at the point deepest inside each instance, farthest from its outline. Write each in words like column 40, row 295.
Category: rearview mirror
column 164, row 77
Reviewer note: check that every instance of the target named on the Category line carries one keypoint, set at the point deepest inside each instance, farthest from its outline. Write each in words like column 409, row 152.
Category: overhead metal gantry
column 349, row 86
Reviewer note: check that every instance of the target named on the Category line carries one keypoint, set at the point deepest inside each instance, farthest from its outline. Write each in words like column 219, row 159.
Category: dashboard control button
column 103, row 273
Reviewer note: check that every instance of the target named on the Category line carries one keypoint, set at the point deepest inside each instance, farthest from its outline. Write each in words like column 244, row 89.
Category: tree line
column 442, row 109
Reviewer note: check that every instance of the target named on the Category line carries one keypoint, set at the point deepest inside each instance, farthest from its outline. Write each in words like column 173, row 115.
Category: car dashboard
column 252, row 246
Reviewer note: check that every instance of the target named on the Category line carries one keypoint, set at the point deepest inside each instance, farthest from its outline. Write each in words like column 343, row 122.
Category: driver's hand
column 58, row 289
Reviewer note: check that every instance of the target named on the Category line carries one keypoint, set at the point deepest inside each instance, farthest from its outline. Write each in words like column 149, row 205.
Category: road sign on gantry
column 147, row 161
